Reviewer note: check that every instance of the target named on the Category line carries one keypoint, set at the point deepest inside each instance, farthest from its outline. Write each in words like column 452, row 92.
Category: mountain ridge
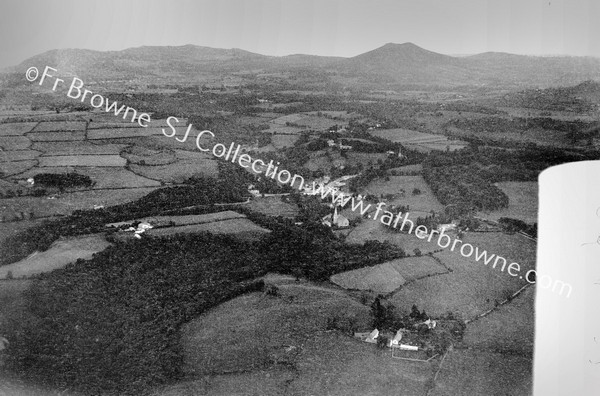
column 390, row 63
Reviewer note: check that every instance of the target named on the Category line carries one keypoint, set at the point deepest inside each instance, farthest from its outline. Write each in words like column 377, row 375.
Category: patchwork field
column 382, row 278
column 61, row 253
column 61, row 145
column 282, row 141
column 177, row 172
column 472, row 287
column 82, row 160
column 535, row 135
column 16, row 129
column 387, row 277
column 146, row 156
column 241, row 228
column 335, row 114
column 260, row 345
column 273, row 206
column 282, row 129
column 107, row 123
column 475, row 372
column 14, row 143
column 307, row 120
column 522, row 202
column 56, row 136
column 15, row 167
column 420, row 141
column 374, row 230
column 402, row 187
column 66, row 203
column 409, row 169
column 78, row 148
column 119, row 133
column 18, row 155
column 509, row 328
column 54, row 126
column 169, row 221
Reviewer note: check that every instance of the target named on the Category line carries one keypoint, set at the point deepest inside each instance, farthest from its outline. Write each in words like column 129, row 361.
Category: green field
column 374, row 230
column 8, row 143
column 380, row 279
column 472, row 287
column 56, row 136
column 387, row 277
column 420, row 141
column 259, row 345
column 475, row 372
column 55, row 126
column 82, row 160
column 19, row 155
column 78, row 148
column 146, row 156
column 119, row 133
column 170, row 221
column 273, row 206
column 522, row 202
column 16, row 167
column 492, row 330
column 419, row 205
column 16, row 129
column 282, row 141
column 61, row 253
column 241, row 228
column 177, row 172
column 66, row 203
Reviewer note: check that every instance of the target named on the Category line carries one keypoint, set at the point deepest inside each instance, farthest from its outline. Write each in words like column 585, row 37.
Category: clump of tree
column 515, row 225
column 111, row 325
column 62, row 181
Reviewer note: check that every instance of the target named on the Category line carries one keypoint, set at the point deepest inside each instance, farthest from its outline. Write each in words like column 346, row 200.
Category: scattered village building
column 344, row 146
column 254, row 191
column 335, row 219
column 394, row 343
column 397, row 338
column 430, row 323
column 446, row 227
column 372, row 337
column 141, row 228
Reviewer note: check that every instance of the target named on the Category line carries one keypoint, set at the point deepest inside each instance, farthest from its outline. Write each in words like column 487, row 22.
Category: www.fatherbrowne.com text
column 271, row 170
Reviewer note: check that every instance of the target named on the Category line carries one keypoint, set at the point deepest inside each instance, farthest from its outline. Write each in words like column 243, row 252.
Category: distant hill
column 404, row 62
column 391, row 64
column 409, row 63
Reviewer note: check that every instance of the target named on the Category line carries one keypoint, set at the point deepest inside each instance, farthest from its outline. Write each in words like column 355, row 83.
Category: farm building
column 446, row 227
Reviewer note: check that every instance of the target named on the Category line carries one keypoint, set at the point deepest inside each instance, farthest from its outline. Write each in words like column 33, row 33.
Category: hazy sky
column 322, row 27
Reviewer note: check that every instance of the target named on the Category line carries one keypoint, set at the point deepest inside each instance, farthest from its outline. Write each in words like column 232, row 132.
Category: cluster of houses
column 325, row 183
column 137, row 231
column 332, row 143
column 395, row 342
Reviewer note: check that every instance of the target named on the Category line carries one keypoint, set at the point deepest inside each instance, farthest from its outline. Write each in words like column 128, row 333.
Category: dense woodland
column 62, row 180
column 465, row 178
column 110, row 325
